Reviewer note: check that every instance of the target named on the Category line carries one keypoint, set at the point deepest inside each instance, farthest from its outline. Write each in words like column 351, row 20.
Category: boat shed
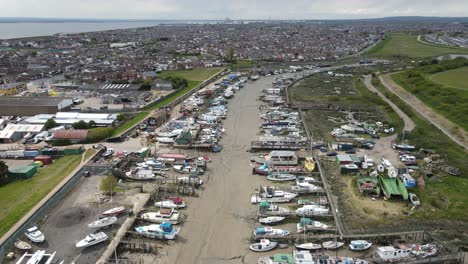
column 68, row 118
column 344, row 159
column 22, row 171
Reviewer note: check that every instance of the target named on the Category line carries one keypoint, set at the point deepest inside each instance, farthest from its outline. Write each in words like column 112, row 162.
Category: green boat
column 278, row 259
column 392, row 186
column 368, row 185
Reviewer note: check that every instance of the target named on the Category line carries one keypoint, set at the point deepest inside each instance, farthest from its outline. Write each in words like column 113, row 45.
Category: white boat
column 228, row 94
column 165, row 140
column 305, row 179
column 277, row 157
column 307, row 224
column 92, row 239
column 35, row 235
column 103, row 222
column 359, row 245
column 36, row 258
column 271, row 194
column 280, row 177
column 271, row 220
column 305, row 187
column 161, row 231
column 164, row 215
column 312, row 210
column 332, row 244
column 108, row 153
column 114, row 211
column 171, row 204
column 192, row 179
column 268, row 231
column 308, row 246
column 19, row 244
column 141, row 174
column 392, row 254
column 263, row 246
column 414, row 199
column 273, row 210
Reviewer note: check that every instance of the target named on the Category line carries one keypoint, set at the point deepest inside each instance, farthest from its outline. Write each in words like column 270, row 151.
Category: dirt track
column 445, row 125
column 220, row 220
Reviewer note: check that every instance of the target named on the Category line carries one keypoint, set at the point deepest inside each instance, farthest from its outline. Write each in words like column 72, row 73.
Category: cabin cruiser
column 161, row 231
column 305, row 187
column 281, row 177
column 271, row 194
column 312, row 210
column 332, row 244
column 359, row 245
column 35, row 235
column 271, row 220
column 103, row 222
column 263, row 246
column 394, row 253
column 169, row 215
column 141, row 174
column 266, row 209
column 92, row 239
column 307, row 224
column 297, row 257
column 270, row 232
column 278, row 157
column 175, row 202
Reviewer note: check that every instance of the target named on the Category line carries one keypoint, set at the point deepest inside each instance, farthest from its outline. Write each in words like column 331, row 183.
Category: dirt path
column 409, row 124
column 445, row 125
column 220, row 220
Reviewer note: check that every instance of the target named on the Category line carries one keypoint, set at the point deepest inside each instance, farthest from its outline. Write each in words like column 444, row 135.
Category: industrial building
column 12, row 88
column 14, row 132
column 29, row 106
column 68, row 118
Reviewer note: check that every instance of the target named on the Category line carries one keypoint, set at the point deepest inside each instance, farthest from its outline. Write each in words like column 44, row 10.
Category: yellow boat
column 309, row 164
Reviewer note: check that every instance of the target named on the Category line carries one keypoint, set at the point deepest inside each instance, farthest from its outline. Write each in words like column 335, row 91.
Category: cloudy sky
column 234, row 9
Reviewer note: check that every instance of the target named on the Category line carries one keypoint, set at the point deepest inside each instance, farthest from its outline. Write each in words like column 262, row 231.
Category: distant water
column 21, row 30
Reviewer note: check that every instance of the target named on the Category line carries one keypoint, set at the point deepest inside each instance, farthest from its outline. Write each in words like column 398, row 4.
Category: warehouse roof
column 10, row 129
column 71, row 134
column 31, row 101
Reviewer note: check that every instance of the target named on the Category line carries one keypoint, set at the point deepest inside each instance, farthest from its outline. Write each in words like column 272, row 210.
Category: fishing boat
column 392, row 254
column 305, row 179
column 307, row 224
column 36, row 258
column 175, row 202
column 114, row 211
column 103, row 222
column 308, row 246
column 161, row 231
column 263, row 246
column 187, row 169
column 332, row 244
column 19, row 244
column 312, row 210
column 269, row 231
column 267, row 209
column 164, row 215
column 309, row 164
column 92, row 239
column 277, row 157
column 271, row 220
column 305, row 187
column 280, row 177
column 272, row 194
column 35, row 235
column 359, row 245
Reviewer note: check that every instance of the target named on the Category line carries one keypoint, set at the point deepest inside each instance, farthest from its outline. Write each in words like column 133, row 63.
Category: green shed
column 22, row 171
column 73, row 150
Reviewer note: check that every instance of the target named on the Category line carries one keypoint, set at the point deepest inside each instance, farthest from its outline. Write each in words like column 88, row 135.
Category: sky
column 234, row 9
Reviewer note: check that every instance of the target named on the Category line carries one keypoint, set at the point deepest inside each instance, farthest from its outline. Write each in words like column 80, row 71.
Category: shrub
column 98, row 134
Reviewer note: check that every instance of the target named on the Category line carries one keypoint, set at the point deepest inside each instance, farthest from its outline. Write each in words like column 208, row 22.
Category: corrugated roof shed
column 71, row 134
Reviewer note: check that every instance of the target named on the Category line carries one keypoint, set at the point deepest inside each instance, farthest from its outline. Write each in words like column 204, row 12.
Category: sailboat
column 103, row 222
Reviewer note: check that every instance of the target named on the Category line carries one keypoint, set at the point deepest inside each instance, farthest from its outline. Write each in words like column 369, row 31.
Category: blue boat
column 408, row 181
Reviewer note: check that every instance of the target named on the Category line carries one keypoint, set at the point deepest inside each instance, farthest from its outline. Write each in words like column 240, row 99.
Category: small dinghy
column 114, row 211
column 332, row 244
column 308, row 246
column 19, row 244
column 103, row 222
column 360, row 245
column 271, row 220
column 263, row 246
column 92, row 239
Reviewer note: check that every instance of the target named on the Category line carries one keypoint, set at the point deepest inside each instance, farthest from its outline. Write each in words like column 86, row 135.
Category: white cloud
column 238, row 9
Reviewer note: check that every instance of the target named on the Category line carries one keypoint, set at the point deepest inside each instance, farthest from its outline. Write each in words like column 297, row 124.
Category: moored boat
column 161, row 231
column 308, row 246
column 270, row 232
column 271, row 220
column 359, row 245
column 35, row 235
column 175, row 202
column 164, row 215
column 19, row 244
column 263, row 246
column 307, row 224
column 332, row 244
column 114, row 211
column 309, row 164
column 281, row 177
column 92, row 239
column 103, row 222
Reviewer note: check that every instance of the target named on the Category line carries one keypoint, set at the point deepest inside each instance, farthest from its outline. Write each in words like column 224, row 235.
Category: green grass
column 241, row 64
column 88, row 153
column 130, row 123
column 445, row 199
column 449, row 102
column 406, row 45
column 18, row 197
column 456, row 78
column 192, row 75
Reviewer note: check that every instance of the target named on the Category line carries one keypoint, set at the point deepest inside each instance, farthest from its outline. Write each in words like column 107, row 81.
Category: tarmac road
column 221, row 219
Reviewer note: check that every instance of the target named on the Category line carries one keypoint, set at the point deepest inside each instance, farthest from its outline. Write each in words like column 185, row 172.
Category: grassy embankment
column 194, row 78
column 342, row 91
column 405, row 45
column 444, row 198
column 18, row 197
